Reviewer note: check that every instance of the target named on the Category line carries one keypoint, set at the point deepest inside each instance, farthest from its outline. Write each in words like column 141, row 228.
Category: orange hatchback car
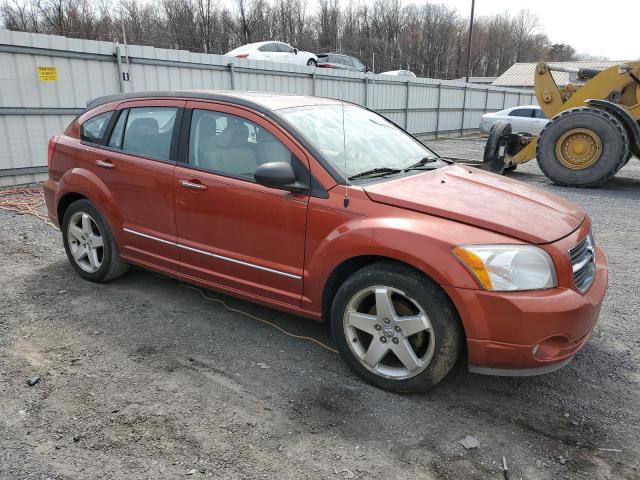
column 331, row 212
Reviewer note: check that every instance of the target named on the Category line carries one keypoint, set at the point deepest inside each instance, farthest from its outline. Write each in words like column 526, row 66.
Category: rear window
column 93, row 130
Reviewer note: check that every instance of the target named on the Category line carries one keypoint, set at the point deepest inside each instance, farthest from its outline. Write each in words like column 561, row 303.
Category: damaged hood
column 485, row 200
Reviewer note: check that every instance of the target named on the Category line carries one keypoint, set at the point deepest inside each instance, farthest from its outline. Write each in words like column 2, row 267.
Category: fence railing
column 46, row 80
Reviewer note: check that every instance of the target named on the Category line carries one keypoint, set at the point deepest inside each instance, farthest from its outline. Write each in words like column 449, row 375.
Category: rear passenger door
column 137, row 164
column 232, row 232
column 521, row 120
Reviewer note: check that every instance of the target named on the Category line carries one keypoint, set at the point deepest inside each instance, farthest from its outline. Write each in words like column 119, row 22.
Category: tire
column 603, row 127
column 496, row 132
column 106, row 264
column 312, row 63
column 491, row 148
column 412, row 294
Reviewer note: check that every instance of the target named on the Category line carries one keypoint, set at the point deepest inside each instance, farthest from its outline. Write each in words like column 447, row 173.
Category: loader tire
column 492, row 147
column 582, row 147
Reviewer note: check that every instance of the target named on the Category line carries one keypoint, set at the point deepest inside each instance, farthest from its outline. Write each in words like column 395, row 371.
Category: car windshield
column 371, row 141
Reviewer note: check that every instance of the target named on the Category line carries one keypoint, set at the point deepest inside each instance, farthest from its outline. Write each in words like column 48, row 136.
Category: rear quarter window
column 94, row 129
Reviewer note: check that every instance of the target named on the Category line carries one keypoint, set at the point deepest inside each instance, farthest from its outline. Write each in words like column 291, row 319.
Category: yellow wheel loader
column 593, row 129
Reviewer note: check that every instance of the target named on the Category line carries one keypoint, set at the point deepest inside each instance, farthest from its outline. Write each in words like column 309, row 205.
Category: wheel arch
column 80, row 183
column 65, row 201
column 622, row 114
column 349, row 266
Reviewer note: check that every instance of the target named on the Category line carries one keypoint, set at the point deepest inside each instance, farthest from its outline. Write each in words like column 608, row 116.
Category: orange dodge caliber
column 330, row 211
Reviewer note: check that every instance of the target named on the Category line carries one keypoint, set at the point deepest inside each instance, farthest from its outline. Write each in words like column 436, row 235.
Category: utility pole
column 473, row 5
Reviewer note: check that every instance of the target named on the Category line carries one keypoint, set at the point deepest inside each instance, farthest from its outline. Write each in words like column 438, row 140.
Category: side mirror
column 295, row 50
column 279, row 175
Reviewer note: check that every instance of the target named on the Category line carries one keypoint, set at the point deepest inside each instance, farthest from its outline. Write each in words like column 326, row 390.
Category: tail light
column 51, row 148
column 243, row 55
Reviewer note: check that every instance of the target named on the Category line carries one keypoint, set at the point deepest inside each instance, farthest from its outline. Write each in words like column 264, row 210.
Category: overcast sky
column 609, row 28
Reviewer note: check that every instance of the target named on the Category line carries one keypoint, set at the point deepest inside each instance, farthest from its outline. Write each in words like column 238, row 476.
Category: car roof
column 524, row 106
column 259, row 101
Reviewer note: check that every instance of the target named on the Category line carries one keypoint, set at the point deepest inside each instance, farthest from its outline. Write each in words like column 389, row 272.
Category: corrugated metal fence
column 37, row 101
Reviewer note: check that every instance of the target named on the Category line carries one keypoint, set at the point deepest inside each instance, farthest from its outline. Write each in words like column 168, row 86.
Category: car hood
column 485, row 200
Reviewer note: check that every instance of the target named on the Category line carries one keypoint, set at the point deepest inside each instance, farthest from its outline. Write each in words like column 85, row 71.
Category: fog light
column 549, row 347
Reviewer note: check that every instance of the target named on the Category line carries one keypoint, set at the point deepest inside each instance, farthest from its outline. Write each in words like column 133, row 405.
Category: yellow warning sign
column 47, row 74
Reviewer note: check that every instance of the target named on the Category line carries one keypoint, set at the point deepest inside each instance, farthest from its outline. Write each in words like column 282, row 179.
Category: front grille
column 583, row 263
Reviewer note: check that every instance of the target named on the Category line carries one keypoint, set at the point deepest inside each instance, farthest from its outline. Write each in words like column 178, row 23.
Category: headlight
column 508, row 267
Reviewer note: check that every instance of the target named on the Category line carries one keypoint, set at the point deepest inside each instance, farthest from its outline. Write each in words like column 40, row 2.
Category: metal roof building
column 520, row 75
column 479, row 80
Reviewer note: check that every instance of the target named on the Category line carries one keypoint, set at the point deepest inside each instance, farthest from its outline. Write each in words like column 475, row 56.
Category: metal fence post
column 438, row 109
column 486, row 100
column 504, row 98
column 232, row 73
column 406, row 107
column 366, row 91
column 519, row 98
column 464, row 111
column 119, row 69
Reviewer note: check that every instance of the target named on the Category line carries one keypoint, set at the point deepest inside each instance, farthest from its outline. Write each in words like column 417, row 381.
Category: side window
column 539, row 113
column 149, row 130
column 284, row 48
column 358, row 64
column 230, row 145
column 93, row 130
column 269, row 47
column 521, row 112
column 116, row 135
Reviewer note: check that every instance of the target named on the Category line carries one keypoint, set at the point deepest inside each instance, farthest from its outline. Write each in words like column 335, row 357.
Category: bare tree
column 429, row 38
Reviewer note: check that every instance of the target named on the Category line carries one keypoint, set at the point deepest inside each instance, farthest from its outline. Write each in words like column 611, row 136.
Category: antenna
column 344, row 149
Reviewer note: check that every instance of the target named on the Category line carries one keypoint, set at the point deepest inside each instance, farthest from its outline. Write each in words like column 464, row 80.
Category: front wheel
column 312, row 63
column 396, row 328
column 582, row 147
column 89, row 243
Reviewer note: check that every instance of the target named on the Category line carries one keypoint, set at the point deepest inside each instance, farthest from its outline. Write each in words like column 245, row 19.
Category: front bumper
column 528, row 333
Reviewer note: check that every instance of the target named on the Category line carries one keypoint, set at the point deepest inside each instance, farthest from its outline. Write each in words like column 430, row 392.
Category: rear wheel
column 582, row 147
column 396, row 328
column 89, row 243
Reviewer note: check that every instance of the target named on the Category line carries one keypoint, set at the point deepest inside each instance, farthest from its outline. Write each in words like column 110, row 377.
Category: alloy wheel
column 389, row 332
column 85, row 242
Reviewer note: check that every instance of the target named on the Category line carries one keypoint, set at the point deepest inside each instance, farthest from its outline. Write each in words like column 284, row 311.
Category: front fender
column 421, row 241
column 89, row 185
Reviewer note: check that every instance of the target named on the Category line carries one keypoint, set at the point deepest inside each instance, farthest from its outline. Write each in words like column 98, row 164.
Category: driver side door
column 233, row 233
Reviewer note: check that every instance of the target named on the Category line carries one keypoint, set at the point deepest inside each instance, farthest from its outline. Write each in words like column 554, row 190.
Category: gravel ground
column 143, row 378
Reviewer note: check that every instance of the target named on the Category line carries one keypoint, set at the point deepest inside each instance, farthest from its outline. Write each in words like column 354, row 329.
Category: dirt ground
column 143, row 378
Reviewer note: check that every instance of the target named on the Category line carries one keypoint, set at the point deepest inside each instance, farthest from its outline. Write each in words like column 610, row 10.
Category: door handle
column 193, row 185
column 105, row 164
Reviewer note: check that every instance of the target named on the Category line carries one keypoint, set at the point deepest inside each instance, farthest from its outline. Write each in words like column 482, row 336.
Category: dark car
column 340, row 61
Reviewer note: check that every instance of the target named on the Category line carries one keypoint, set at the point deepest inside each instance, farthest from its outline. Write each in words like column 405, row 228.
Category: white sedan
column 523, row 119
column 274, row 52
column 400, row 73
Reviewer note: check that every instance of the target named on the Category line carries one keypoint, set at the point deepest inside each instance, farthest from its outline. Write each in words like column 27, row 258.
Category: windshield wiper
column 376, row 172
column 422, row 163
